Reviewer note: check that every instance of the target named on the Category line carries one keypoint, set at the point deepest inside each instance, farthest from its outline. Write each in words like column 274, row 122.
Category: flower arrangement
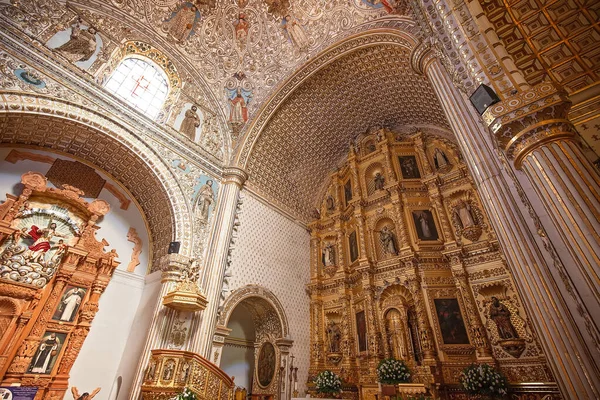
column 186, row 394
column 391, row 371
column 327, row 382
column 483, row 379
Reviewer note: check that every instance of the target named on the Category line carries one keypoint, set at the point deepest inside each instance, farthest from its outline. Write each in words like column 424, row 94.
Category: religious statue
column 185, row 372
column 295, row 32
column 81, row 45
column 379, row 181
column 46, row 352
column 168, row 370
column 334, row 336
column 463, row 212
column 61, row 248
column 439, row 159
column 329, row 255
column 204, row 199
column 330, row 203
column 277, row 7
column 239, row 110
column 241, row 29
column 41, row 244
column 69, row 304
column 501, row 316
column 84, row 396
column 388, row 241
column 190, row 122
column 181, row 24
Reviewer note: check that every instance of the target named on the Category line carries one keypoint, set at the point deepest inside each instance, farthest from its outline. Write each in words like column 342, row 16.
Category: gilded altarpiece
column 404, row 264
column 53, row 271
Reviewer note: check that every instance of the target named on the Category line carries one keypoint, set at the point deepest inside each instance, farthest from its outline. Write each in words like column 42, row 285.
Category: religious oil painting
column 424, row 225
column 353, row 245
column 451, row 321
column 361, row 330
column 69, row 304
column 409, row 167
column 348, row 191
column 47, row 353
column 265, row 365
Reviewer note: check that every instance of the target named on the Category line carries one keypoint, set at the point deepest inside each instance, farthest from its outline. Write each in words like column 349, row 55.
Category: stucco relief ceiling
column 310, row 132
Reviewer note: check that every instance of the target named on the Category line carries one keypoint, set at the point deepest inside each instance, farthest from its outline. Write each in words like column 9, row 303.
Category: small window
column 141, row 84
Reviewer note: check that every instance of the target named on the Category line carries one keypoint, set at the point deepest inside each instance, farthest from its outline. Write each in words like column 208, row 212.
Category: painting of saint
column 409, row 167
column 352, row 243
column 295, row 32
column 361, row 331
column 265, row 366
column 238, row 100
column 47, row 353
column 424, row 225
column 181, row 23
column 69, row 303
column 451, row 321
column 241, row 29
column 348, row 191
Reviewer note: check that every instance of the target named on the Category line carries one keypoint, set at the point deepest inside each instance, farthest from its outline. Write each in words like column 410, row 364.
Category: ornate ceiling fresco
column 307, row 135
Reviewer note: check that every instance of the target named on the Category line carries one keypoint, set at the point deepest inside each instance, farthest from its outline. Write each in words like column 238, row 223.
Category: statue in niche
column 241, row 29
column 329, row 255
column 330, row 203
column 464, row 214
column 190, row 122
column 85, row 395
column 500, row 314
column 168, row 370
column 379, row 181
column 439, row 159
column 295, row 32
column 238, row 113
column 334, row 335
column 204, row 199
column 81, row 45
column 388, row 241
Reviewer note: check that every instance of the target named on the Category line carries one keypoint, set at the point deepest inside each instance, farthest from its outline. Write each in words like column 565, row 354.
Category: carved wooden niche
column 52, row 273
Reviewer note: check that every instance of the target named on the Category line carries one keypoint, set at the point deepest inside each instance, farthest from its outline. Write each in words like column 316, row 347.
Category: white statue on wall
column 204, row 199
column 190, row 122
column 329, row 255
column 465, row 216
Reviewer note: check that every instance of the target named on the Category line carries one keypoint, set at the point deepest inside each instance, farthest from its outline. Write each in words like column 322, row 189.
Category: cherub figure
column 84, row 396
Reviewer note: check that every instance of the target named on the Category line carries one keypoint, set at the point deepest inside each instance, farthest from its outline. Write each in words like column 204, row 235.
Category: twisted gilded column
column 216, row 257
column 546, row 289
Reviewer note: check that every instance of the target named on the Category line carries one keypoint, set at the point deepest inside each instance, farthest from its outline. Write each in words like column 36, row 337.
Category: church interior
column 224, row 199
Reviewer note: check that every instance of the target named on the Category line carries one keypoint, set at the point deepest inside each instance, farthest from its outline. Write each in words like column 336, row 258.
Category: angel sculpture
column 84, row 396
column 81, row 45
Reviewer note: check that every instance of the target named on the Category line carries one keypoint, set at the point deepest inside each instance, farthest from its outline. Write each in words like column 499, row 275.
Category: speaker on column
column 483, row 97
column 174, row 247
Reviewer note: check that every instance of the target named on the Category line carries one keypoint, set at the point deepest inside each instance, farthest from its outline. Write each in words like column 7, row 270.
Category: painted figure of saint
column 70, row 304
column 424, row 222
column 190, row 122
column 239, row 111
column 46, row 352
column 204, row 199
column 379, row 181
column 295, row 32
column 241, row 29
column 501, row 316
column 81, row 45
column 181, row 24
column 330, row 203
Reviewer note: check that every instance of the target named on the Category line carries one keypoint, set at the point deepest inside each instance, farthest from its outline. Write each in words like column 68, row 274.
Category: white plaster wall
column 238, row 361
column 273, row 251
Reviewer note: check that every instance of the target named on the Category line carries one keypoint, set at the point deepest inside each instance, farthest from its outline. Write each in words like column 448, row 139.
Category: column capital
column 172, row 265
column 422, row 55
column 234, row 175
column 524, row 122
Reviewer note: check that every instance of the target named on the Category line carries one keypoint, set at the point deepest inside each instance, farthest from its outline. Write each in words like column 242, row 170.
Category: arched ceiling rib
column 311, row 130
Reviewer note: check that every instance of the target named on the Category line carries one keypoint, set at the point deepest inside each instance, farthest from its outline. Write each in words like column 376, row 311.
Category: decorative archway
column 58, row 125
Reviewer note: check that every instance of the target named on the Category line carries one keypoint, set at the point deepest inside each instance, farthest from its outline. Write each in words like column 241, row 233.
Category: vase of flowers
column 484, row 381
column 186, row 394
column 328, row 383
column 391, row 372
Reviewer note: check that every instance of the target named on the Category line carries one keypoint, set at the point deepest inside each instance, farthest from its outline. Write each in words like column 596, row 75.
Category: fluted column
column 216, row 257
column 171, row 266
column 546, row 289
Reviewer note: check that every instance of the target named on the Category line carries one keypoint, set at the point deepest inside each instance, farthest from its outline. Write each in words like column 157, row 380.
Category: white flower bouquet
column 483, row 379
column 327, row 382
column 391, row 371
column 186, row 394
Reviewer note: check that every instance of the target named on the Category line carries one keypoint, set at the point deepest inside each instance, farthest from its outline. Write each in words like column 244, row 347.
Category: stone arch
column 58, row 125
column 259, row 293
